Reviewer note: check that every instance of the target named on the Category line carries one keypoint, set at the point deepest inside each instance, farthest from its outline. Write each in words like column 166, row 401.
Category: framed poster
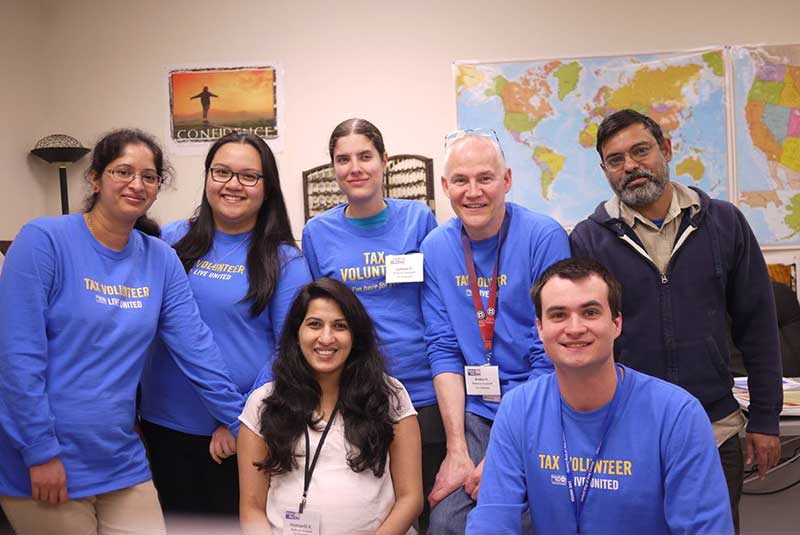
column 207, row 103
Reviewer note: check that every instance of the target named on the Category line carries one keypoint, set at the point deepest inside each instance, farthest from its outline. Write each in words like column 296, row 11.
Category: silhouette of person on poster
column 205, row 99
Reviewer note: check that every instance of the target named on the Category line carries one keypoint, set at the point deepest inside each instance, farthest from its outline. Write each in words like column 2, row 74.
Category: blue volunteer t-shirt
column 76, row 319
column 657, row 473
column 337, row 247
column 533, row 243
column 219, row 282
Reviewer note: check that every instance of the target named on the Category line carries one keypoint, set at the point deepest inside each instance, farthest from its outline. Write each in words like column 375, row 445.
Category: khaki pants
column 133, row 510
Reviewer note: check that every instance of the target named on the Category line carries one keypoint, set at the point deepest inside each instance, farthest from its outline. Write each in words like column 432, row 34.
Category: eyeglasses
column 455, row 135
column 245, row 178
column 638, row 154
column 125, row 174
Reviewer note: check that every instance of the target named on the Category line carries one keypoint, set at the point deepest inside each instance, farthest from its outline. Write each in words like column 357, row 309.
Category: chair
column 787, row 309
column 408, row 176
column 784, row 285
column 783, row 273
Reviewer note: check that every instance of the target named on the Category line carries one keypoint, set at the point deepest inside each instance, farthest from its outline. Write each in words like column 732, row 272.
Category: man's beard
column 645, row 194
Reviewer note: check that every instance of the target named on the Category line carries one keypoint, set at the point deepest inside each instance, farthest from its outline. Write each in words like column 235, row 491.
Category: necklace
column 218, row 259
column 109, row 239
column 87, row 218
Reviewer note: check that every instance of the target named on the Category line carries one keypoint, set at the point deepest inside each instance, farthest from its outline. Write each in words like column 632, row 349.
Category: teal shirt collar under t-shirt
column 373, row 221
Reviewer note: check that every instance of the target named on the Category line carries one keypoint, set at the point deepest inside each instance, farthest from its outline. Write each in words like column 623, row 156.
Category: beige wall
column 102, row 65
column 24, row 182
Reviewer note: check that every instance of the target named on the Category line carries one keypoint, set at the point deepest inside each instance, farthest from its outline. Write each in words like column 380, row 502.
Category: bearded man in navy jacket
column 687, row 262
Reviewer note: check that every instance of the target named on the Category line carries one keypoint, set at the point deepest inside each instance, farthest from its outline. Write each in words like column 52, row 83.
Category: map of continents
column 767, row 122
column 546, row 114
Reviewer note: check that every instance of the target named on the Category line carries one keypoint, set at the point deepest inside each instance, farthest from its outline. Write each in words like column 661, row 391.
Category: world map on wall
column 767, row 125
column 546, row 115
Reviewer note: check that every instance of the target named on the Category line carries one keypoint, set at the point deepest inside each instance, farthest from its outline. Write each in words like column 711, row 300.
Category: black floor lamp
column 60, row 150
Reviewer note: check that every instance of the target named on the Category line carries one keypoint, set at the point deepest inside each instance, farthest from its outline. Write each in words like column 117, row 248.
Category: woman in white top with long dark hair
column 332, row 440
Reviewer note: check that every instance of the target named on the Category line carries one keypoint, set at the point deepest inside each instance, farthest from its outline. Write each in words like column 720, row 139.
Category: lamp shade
column 59, row 148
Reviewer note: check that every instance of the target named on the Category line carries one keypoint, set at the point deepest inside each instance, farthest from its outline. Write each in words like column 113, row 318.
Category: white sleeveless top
column 349, row 503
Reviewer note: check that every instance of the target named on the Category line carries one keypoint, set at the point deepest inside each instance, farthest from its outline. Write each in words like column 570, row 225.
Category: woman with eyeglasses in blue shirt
column 82, row 297
column 244, row 270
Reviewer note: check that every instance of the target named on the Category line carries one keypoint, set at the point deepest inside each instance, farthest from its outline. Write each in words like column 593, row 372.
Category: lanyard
column 578, row 504
column 309, row 471
column 485, row 318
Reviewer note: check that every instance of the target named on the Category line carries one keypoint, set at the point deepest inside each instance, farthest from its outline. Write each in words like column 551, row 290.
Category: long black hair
column 365, row 396
column 109, row 148
column 271, row 230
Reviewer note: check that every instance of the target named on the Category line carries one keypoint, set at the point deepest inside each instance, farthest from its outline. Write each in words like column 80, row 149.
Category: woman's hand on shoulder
column 222, row 445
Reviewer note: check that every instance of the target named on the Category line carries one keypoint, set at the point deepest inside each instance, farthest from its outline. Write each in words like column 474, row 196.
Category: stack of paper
column 791, row 395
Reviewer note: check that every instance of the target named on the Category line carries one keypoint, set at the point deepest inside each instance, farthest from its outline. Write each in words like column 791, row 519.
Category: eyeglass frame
column 488, row 133
column 113, row 172
column 624, row 155
column 238, row 175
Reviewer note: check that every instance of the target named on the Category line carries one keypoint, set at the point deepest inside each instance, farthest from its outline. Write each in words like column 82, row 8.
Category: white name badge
column 305, row 523
column 404, row 268
column 483, row 381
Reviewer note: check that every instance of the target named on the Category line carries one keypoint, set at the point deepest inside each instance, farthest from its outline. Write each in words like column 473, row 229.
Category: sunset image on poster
column 206, row 104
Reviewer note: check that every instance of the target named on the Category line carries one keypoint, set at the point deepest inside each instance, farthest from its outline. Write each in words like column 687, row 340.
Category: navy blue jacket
column 674, row 324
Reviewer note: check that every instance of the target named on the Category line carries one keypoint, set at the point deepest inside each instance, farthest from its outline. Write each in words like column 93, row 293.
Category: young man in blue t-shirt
column 597, row 447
